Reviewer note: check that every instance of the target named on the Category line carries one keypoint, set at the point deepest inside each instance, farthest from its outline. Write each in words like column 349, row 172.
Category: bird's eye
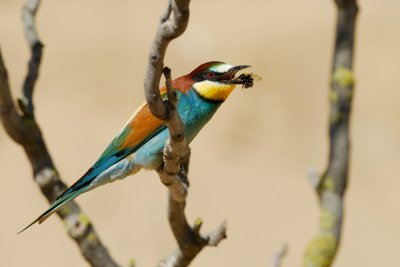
column 210, row 75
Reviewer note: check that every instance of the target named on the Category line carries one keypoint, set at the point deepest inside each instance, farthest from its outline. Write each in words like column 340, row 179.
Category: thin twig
column 24, row 130
column 28, row 18
column 331, row 186
column 279, row 255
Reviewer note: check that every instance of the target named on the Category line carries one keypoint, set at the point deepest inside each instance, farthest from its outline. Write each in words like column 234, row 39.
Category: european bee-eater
column 140, row 143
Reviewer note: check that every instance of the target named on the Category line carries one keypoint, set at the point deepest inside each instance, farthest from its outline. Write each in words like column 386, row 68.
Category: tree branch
column 331, row 186
column 176, row 151
column 279, row 255
column 166, row 110
column 189, row 239
column 168, row 29
column 24, row 130
column 28, row 18
column 176, row 146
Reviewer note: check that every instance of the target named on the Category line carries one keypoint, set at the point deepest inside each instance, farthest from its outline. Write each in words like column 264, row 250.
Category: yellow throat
column 213, row 90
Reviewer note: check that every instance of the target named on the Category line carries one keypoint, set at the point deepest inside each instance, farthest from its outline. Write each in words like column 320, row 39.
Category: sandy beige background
column 250, row 162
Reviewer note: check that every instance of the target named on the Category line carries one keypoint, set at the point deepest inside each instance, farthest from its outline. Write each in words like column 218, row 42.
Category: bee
column 248, row 79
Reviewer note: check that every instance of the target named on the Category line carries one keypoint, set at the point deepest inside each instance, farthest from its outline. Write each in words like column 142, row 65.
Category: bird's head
column 215, row 80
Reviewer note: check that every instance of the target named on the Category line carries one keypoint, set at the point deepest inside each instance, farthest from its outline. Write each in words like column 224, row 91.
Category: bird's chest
column 195, row 112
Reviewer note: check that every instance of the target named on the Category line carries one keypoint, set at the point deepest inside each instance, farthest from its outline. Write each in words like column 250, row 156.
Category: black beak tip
column 237, row 68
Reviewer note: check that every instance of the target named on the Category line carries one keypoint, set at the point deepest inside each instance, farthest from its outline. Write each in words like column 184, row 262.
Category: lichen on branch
column 331, row 185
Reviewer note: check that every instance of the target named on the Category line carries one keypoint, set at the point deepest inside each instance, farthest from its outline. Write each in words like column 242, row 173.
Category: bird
column 139, row 145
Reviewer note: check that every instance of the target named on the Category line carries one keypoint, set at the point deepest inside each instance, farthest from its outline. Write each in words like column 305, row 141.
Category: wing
column 141, row 127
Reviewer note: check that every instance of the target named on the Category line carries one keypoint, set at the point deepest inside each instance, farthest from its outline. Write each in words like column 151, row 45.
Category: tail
column 85, row 183
column 61, row 201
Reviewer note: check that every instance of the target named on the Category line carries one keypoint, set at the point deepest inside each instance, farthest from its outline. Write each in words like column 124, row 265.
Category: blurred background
column 248, row 165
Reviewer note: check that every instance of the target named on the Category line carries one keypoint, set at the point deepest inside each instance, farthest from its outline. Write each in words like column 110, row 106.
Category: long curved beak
column 237, row 68
column 229, row 76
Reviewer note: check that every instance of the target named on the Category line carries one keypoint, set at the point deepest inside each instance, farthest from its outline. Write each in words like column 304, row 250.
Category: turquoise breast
column 194, row 111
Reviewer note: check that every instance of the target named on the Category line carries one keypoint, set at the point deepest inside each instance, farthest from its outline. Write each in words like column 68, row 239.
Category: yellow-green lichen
column 83, row 219
column 320, row 252
column 91, row 237
column 333, row 96
column 65, row 210
column 77, row 225
column 132, row 263
column 198, row 222
column 328, row 184
column 327, row 220
column 343, row 77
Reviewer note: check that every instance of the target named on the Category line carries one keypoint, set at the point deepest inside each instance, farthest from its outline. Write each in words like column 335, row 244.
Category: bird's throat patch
column 214, row 91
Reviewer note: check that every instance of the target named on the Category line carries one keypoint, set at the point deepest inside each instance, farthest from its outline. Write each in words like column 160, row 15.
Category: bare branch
column 25, row 131
column 176, row 145
column 168, row 29
column 279, row 255
column 189, row 239
column 321, row 251
column 9, row 116
column 28, row 19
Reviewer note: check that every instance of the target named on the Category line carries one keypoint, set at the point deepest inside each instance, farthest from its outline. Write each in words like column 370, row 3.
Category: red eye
column 210, row 75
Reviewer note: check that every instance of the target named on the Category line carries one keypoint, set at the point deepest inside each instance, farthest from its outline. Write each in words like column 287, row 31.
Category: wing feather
column 141, row 127
column 137, row 130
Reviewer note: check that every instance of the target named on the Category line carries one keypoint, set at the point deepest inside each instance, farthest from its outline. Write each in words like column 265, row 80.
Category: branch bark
column 279, row 255
column 331, row 185
column 176, row 146
column 168, row 29
column 189, row 239
column 176, row 151
column 22, row 127
column 24, row 130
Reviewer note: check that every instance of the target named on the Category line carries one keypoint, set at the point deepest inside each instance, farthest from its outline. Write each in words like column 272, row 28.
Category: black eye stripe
column 203, row 76
column 212, row 75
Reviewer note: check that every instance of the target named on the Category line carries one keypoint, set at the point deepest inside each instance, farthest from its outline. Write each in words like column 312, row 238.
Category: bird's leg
column 183, row 174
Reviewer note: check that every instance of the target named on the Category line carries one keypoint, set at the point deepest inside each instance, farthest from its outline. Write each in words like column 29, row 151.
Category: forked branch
column 173, row 173
column 189, row 239
column 172, row 24
column 23, row 129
